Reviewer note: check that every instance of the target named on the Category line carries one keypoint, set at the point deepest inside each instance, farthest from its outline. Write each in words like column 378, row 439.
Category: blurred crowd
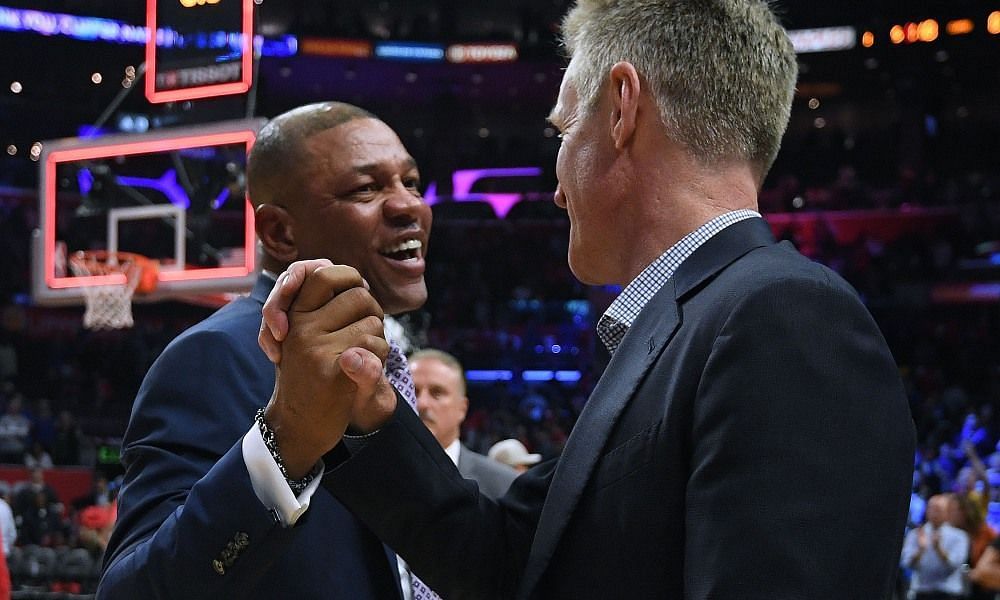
column 502, row 299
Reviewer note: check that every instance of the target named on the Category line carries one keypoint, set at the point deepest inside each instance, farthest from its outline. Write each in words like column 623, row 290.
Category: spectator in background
column 986, row 573
column 8, row 528
column 973, row 481
column 512, row 452
column 100, row 494
column 41, row 523
column 38, row 512
column 4, row 573
column 993, row 473
column 66, row 443
column 964, row 513
column 14, row 430
column 918, row 501
column 8, row 357
column 974, row 437
column 43, row 424
column 37, row 457
column 936, row 552
column 25, row 497
column 948, row 463
column 97, row 520
column 931, row 474
column 439, row 382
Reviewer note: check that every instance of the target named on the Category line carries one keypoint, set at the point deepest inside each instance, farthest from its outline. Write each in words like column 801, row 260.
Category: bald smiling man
column 205, row 510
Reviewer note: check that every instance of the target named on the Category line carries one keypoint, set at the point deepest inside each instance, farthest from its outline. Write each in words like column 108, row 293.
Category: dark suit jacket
column 494, row 478
column 187, row 495
column 750, row 439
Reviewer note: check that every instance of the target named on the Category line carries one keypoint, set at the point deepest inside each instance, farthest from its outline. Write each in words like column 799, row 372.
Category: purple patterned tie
column 398, row 374
column 397, row 371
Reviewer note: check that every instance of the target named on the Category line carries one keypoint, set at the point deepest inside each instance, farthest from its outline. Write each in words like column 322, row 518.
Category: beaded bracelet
column 297, row 485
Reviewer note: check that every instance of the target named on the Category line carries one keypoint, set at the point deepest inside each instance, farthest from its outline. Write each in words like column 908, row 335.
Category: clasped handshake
column 323, row 330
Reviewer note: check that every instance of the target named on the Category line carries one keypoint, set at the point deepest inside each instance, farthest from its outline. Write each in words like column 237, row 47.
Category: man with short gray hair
column 442, row 403
column 750, row 437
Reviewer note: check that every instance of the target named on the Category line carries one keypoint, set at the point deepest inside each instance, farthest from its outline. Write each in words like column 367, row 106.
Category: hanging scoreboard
column 198, row 48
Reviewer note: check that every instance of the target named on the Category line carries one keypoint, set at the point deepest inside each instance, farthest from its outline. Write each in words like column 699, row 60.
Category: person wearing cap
column 512, row 453
column 439, row 383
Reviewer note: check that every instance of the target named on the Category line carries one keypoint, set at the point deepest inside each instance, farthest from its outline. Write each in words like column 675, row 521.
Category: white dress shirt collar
column 453, row 450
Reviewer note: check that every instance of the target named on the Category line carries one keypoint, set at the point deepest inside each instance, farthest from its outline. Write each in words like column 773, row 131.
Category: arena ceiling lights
column 825, row 39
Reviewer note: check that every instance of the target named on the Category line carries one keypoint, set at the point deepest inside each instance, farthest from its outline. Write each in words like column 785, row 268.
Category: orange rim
column 96, row 261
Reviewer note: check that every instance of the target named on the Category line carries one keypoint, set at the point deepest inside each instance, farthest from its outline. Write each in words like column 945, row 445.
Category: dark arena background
column 889, row 174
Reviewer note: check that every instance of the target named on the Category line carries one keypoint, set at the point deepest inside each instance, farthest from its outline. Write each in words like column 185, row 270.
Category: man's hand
column 329, row 371
column 274, row 325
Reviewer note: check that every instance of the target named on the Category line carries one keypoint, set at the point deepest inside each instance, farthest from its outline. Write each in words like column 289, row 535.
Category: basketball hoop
column 109, row 304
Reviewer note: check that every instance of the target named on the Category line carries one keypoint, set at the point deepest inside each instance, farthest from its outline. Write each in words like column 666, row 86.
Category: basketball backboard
column 176, row 196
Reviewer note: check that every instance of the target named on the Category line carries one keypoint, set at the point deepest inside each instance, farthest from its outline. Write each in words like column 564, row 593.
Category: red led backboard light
column 53, row 284
column 202, row 91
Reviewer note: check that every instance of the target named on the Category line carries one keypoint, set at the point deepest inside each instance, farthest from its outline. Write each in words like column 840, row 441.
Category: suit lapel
column 464, row 466
column 640, row 347
column 644, row 342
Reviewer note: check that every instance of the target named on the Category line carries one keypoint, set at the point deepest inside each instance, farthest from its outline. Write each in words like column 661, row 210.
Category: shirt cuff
column 356, row 443
column 269, row 484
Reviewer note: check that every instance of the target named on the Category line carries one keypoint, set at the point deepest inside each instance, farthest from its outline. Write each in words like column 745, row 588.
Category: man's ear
column 625, row 90
column 276, row 232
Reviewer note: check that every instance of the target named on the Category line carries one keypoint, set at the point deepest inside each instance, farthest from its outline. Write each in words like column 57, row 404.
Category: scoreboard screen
column 198, row 48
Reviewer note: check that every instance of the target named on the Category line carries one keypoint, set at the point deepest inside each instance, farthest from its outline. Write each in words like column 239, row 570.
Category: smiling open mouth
column 410, row 249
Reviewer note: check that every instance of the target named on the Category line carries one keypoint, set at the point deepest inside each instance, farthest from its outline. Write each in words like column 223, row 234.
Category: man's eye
column 413, row 185
column 364, row 189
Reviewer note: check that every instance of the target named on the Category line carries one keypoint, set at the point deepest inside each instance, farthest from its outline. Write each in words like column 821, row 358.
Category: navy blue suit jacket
column 749, row 440
column 187, row 499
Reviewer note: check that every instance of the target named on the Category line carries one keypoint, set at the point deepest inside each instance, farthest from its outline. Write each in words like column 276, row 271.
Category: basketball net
column 109, row 306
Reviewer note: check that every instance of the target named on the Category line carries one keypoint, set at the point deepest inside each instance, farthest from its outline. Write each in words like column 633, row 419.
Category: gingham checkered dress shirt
column 614, row 323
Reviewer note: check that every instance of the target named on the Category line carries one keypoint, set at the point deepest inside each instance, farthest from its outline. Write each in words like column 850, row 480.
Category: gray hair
column 722, row 72
column 444, row 358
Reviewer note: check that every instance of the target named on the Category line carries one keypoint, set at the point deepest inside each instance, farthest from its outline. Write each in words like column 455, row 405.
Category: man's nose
column 403, row 205
column 423, row 400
